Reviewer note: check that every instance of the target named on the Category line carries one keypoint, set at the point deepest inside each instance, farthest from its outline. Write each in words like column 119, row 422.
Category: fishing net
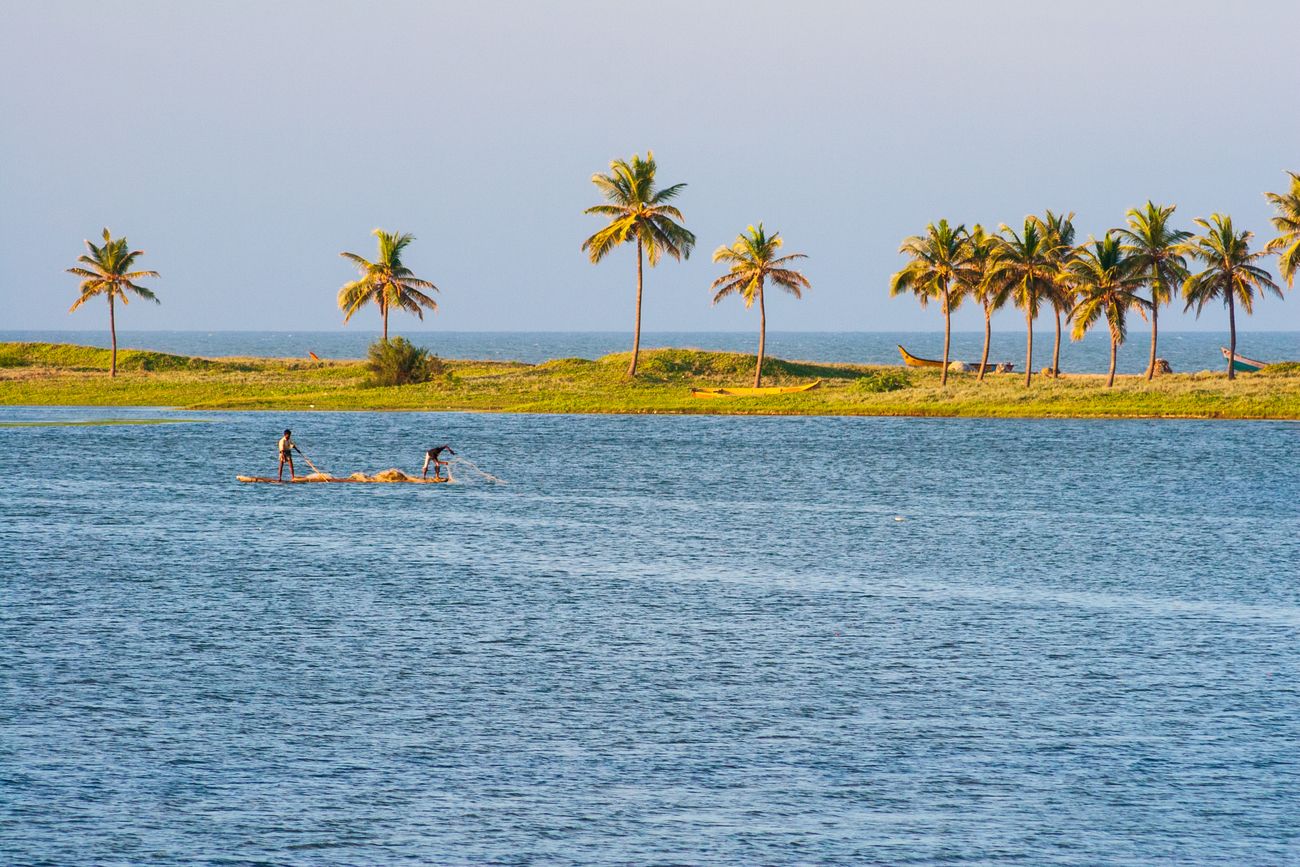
column 472, row 469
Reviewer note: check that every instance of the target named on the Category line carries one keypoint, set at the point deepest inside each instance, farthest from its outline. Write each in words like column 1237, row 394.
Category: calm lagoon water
column 666, row 640
column 1186, row 351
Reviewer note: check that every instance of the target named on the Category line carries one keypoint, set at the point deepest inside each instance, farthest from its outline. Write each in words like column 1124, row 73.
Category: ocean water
column 1186, row 351
column 667, row 640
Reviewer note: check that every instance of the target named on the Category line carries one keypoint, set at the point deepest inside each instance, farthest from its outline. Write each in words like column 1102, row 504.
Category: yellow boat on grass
column 754, row 392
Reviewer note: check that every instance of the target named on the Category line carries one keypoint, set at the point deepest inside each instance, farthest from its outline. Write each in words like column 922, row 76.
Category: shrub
column 400, row 362
column 882, row 380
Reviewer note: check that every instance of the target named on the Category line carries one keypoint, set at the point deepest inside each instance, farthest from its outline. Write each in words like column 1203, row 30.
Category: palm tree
column 108, row 272
column 938, row 260
column 974, row 278
column 1287, row 223
column 1153, row 249
column 1230, row 273
column 1060, row 230
column 386, row 281
column 753, row 262
column 1107, row 281
column 637, row 210
column 1027, row 264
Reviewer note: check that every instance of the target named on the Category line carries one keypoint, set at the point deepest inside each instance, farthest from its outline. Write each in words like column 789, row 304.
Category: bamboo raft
column 393, row 476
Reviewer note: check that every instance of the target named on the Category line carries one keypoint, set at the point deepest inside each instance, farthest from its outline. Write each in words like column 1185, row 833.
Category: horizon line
column 770, row 331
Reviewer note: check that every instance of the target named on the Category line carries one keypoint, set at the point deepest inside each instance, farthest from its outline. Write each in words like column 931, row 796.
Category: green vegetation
column 936, row 266
column 1042, row 264
column 1231, row 273
column 401, row 362
column 1026, row 264
column 974, row 281
column 386, row 281
column 108, row 273
column 1287, row 222
column 753, row 262
column 69, row 356
column 69, row 375
column 1106, row 285
column 1154, row 252
column 638, row 210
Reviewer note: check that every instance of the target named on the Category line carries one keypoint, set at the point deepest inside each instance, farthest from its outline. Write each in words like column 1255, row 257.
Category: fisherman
column 431, row 457
column 287, row 447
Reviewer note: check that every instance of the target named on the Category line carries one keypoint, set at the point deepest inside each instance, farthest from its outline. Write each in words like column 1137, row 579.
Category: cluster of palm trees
column 1041, row 266
column 642, row 213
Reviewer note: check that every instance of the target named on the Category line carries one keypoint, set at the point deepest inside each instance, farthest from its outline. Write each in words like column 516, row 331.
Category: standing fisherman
column 287, row 447
column 431, row 458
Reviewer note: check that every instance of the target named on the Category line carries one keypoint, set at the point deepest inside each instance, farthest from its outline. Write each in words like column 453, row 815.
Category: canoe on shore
column 386, row 477
column 1241, row 363
column 916, row 361
column 754, row 392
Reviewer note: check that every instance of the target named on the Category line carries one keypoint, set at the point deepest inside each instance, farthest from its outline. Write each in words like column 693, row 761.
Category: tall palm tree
column 1287, row 222
column 638, row 211
column 1027, row 263
column 753, row 260
column 938, row 260
column 1060, row 230
column 1230, row 273
column 386, row 281
column 1153, row 249
column 1107, row 282
column 108, row 273
column 991, row 294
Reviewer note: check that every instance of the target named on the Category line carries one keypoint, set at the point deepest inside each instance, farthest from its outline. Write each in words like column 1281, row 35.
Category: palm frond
column 361, row 262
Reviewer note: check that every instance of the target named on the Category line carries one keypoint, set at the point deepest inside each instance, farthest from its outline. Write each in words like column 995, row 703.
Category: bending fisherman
column 431, row 458
column 287, row 447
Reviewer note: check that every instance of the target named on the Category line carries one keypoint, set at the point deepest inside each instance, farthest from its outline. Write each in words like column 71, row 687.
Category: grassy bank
column 61, row 374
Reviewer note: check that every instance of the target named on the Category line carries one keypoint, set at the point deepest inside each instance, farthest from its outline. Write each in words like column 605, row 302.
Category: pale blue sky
column 243, row 145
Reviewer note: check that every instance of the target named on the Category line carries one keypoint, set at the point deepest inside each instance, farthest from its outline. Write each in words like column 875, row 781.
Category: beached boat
column 754, row 392
column 386, row 477
column 915, row 361
column 1242, row 363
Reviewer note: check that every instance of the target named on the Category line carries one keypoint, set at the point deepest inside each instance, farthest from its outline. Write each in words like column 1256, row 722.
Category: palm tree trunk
column 947, row 337
column 383, row 309
column 1151, row 362
column 112, row 328
column 1232, row 339
column 1029, row 350
column 984, row 359
column 1114, row 345
column 636, row 332
column 762, row 337
column 1056, row 349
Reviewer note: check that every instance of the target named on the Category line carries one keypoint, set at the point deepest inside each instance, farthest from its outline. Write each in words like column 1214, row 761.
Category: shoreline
column 70, row 375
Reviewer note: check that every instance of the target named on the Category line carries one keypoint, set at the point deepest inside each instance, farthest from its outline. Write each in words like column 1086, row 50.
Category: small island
column 71, row 375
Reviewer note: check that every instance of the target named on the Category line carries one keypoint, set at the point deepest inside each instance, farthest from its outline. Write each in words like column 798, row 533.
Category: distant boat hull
column 915, row 361
column 753, row 392
column 1241, row 363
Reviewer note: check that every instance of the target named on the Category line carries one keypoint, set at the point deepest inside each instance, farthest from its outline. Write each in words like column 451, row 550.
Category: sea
column 648, row 639
column 1186, row 351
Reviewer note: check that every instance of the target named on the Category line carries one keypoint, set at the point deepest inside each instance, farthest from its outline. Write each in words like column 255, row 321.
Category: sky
column 243, row 145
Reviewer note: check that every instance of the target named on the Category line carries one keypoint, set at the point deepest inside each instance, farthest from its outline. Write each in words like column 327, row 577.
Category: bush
column 400, row 362
column 883, row 380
